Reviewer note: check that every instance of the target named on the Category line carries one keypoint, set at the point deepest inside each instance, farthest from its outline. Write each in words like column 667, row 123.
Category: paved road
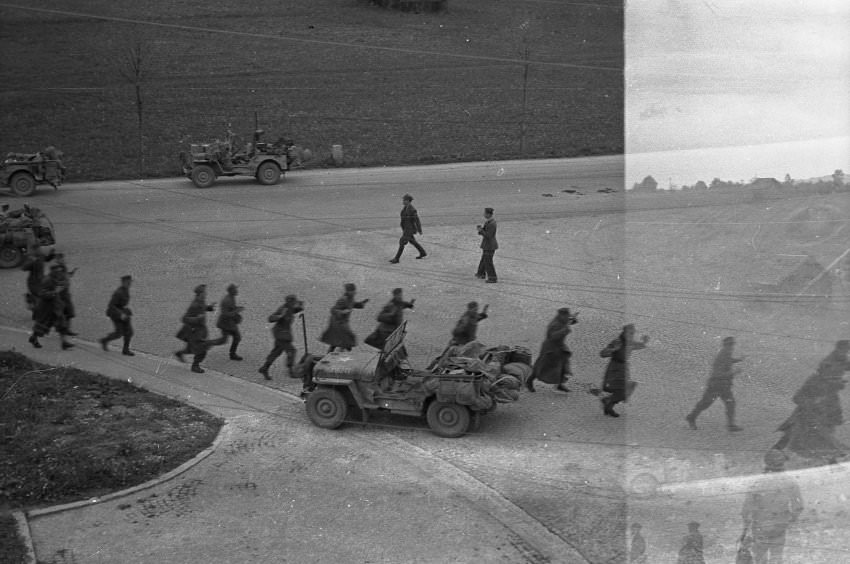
column 550, row 453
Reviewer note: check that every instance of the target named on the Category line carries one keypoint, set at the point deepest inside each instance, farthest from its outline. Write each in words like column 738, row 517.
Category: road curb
column 194, row 461
column 25, row 536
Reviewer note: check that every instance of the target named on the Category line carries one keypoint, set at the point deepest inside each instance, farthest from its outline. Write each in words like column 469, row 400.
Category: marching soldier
column 194, row 330
column 410, row 227
column 120, row 315
column 70, row 310
column 339, row 333
column 616, row 381
column 467, row 326
column 229, row 318
column 282, row 332
column 390, row 318
column 553, row 363
column 488, row 247
column 50, row 312
column 719, row 386
column 34, row 266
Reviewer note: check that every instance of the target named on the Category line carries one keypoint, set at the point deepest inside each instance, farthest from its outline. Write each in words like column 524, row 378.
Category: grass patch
column 11, row 545
column 390, row 87
column 69, row 435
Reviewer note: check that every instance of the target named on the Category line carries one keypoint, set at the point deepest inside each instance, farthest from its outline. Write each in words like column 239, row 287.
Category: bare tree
column 133, row 70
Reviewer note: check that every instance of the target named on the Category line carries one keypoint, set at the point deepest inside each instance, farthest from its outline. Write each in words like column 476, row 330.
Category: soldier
column 691, row 551
column 488, row 247
column 553, row 362
column 120, row 315
column 50, row 312
column 339, row 333
column 229, row 318
column 467, row 326
column 810, row 430
column 390, row 318
column 616, row 380
column 34, row 265
column 771, row 506
column 282, row 332
column 194, row 330
column 70, row 310
column 410, row 226
column 719, row 385
column 637, row 546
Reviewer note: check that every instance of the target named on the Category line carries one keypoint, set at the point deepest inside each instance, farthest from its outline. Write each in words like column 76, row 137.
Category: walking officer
column 410, row 227
column 282, row 332
column 120, row 315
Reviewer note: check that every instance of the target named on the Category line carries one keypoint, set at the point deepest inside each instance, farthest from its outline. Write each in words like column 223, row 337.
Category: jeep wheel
column 10, row 256
column 448, row 419
column 23, row 184
column 268, row 173
column 326, row 407
column 203, row 176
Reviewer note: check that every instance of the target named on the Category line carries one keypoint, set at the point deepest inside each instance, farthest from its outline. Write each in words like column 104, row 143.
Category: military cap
column 407, row 197
column 728, row 340
column 126, row 277
column 349, row 287
column 472, row 305
column 200, row 288
column 774, row 459
column 397, row 291
column 231, row 287
column 290, row 298
column 488, row 210
column 693, row 525
column 564, row 311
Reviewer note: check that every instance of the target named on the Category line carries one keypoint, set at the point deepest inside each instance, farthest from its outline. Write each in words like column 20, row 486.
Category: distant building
column 648, row 184
column 765, row 184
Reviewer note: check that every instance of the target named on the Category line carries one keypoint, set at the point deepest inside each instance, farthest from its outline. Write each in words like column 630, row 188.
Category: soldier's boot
column 197, row 368
column 730, row 417
column 608, row 407
column 126, row 349
column 233, row 355
column 691, row 418
column 397, row 256
column 264, row 370
column 179, row 355
column 422, row 253
column 66, row 345
column 103, row 344
column 34, row 341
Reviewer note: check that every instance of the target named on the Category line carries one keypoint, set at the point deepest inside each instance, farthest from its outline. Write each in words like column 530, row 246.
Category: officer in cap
column 410, row 227
column 120, row 315
column 487, row 230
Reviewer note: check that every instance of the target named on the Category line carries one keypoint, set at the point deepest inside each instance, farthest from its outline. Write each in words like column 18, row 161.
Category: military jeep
column 451, row 400
column 267, row 162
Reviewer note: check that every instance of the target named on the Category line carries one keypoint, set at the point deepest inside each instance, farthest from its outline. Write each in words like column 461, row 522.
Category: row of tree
column 833, row 183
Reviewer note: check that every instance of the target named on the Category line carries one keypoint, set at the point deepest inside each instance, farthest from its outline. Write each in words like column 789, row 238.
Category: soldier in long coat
column 810, row 430
column 466, row 329
column 229, row 318
column 282, row 333
column 553, row 363
column 50, row 312
column 70, row 310
column 616, row 380
column 338, row 333
column 719, row 385
column 410, row 227
column 120, row 314
column 194, row 330
column 389, row 319
column 34, row 266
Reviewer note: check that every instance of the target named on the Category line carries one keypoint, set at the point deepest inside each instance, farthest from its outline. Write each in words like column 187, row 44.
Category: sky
column 736, row 88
